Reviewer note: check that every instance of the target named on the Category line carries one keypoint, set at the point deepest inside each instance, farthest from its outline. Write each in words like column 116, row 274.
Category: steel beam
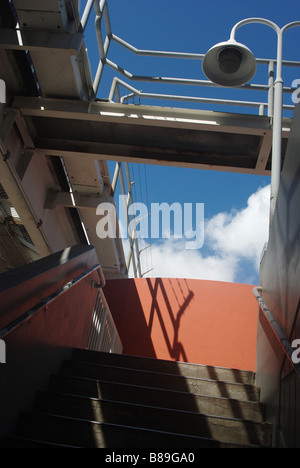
column 154, row 135
column 100, row 111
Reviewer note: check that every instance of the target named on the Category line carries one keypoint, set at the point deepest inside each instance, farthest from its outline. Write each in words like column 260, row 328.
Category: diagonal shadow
column 176, row 349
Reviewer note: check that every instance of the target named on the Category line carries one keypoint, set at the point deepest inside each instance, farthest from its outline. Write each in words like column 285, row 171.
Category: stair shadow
column 150, row 431
column 130, row 411
column 236, row 405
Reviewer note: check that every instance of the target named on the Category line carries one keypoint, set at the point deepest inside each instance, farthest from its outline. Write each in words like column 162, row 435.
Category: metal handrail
column 46, row 302
column 283, row 341
column 186, row 55
column 135, row 92
column 101, row 11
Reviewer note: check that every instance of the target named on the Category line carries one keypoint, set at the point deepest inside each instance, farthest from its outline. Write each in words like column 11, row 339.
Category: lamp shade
column 229, row 63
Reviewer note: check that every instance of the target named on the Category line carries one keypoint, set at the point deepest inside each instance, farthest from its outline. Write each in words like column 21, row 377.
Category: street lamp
column 229, row 63
column 232, row 64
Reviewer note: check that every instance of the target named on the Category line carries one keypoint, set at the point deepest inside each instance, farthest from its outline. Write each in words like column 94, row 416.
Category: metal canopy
column 154, row 135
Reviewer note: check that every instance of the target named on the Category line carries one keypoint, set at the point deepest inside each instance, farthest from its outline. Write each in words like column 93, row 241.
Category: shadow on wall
column 175, row 347
column 204, row 322
column 148, row 319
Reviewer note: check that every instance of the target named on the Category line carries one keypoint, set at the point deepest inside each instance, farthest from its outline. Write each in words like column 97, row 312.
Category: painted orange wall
column 204, row 322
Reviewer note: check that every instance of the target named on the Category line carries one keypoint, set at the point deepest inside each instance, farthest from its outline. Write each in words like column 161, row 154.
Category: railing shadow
column 129, row 318
column 136, row 328
column 175, row 347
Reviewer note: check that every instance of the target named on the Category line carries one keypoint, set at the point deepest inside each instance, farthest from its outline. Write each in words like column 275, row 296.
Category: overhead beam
column 152, row 135
column 155, row 116
column 111, row 152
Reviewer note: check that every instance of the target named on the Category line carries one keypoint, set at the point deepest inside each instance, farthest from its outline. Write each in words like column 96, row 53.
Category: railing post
column 131, row 252
column 117, row 93
column 115, row 177
column 86, row 14
column 261, row 109
column 131, row 203
column 103, row 47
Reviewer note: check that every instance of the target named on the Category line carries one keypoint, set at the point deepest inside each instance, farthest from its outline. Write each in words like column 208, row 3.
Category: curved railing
column 101, row 12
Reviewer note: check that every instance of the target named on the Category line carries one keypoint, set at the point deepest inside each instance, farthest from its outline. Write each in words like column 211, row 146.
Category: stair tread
column 155, row 379
column 154, row 417
column 163, row 408
column 160, row 365
column 110, row 435
column 129, row 393
column 146, row 371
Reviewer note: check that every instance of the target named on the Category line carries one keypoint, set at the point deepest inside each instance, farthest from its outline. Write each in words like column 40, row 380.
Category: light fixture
column 229, row 63
column 232, row 64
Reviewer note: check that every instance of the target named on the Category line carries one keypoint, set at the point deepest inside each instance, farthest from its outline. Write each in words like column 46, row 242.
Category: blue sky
column 195, row 26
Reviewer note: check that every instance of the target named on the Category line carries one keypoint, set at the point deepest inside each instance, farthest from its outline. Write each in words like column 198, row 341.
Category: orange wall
column 205, row 322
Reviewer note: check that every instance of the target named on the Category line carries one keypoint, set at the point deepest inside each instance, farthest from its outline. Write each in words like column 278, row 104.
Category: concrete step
column 158, row 380
column 163, row 366
column 155, row 418
column 226, row 407
column 91, row 434
column 102, row 400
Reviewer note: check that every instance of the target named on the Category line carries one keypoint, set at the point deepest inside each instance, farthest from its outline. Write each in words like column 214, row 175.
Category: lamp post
column 232, row 64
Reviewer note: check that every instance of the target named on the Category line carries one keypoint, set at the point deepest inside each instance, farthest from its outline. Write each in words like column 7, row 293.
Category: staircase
column 115, row 401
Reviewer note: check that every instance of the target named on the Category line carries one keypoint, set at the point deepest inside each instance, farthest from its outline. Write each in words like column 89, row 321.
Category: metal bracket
column 75, row 199
column 99, row 284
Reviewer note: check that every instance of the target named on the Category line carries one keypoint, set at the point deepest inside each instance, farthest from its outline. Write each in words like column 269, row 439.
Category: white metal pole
column 277, row 121
column 277, row 130
column 278, row 106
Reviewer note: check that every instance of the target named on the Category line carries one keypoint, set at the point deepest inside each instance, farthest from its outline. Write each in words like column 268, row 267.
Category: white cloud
column 231, row 238
column 242, row 233
column 172, row 260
